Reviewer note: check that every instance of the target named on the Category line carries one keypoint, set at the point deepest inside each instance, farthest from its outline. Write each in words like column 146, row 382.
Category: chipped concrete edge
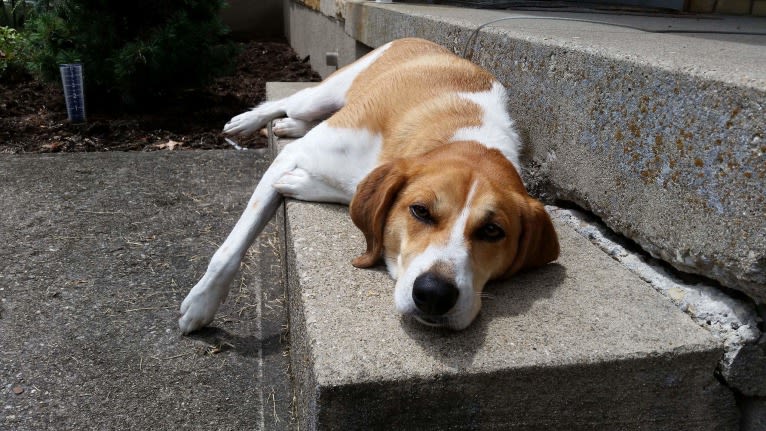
column 733, row 320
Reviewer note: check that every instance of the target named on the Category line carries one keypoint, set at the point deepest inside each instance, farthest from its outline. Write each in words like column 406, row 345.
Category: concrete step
column 659, row 134
column 579, row 344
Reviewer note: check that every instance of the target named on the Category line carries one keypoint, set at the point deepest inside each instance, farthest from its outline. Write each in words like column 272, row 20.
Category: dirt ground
column 33, row 115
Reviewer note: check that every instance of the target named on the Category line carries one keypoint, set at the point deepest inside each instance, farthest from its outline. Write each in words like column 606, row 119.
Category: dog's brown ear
column 538, row 243
column 369, row 208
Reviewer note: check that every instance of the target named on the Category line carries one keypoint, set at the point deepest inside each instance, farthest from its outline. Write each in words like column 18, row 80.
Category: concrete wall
column 314, row 33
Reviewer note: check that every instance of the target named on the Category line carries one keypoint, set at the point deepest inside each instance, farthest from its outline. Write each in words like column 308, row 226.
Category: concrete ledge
column 580, row 344
column 553, row 349
column 660, row 135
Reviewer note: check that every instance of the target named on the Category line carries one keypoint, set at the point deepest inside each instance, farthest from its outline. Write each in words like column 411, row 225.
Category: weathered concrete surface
column 580, row 344
column 733, row 320
column 660, row 135
column 313, row 34
column 755, row 419
column 747, row 371
column 97, row 252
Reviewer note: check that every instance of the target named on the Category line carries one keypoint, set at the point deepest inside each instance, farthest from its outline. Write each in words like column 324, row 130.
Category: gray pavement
column 97, row 252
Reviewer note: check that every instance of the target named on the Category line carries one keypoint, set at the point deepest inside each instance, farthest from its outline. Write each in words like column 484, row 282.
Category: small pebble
column 18, row 390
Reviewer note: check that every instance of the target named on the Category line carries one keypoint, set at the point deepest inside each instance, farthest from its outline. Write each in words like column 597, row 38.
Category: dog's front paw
column 295, row 184
column 301, row 185
column 200, row 305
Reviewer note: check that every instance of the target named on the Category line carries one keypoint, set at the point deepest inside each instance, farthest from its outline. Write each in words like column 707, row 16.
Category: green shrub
column 13, row 53
column 132, row 51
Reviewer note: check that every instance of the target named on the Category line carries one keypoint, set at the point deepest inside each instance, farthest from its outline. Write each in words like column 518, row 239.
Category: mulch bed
column 33, row 115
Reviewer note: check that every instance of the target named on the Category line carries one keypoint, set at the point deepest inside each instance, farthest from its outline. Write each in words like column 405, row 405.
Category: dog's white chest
column 338, row 158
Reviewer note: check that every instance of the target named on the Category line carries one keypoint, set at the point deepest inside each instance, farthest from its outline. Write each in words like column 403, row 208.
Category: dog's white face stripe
column 455, row 255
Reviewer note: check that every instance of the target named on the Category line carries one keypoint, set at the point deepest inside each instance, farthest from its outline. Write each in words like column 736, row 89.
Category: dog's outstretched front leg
column 202, row 302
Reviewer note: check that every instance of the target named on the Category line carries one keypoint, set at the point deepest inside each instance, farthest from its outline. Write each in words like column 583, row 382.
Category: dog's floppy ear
column 369, row 208
column 538, row 243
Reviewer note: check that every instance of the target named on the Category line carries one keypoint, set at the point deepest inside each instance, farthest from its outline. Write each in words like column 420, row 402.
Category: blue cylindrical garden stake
column 71, row 79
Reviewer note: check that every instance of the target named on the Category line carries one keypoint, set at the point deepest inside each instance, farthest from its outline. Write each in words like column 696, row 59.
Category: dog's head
column 446, row 223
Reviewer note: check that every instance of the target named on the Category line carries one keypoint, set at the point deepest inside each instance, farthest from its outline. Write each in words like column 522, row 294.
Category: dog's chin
column 449, row 321
column 432, row 321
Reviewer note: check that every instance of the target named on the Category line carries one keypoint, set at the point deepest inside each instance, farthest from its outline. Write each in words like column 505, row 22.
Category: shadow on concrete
column 457, row 349
column 248, row 345
column 515, row 296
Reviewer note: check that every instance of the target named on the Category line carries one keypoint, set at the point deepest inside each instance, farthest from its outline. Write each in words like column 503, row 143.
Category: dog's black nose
column 434, row 295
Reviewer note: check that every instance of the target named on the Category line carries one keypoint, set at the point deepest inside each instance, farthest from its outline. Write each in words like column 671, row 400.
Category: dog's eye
column 490, row 232
column 421, row 213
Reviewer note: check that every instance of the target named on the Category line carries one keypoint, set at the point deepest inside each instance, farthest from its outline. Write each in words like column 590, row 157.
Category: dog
column 418, row 143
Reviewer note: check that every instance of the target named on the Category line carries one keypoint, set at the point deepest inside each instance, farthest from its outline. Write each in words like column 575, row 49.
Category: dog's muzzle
column 433, row 295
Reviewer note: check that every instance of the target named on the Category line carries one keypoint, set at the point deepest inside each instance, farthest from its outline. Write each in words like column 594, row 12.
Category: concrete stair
column 661, row 135
column 653, row 123
column 582, row 343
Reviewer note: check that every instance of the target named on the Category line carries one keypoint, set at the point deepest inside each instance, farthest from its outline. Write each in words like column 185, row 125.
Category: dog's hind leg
column 310, row 104
column 252, row 120
column 292, row 128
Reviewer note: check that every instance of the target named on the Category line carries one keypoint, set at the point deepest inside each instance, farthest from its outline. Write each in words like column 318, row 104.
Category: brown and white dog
column 419, row 143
